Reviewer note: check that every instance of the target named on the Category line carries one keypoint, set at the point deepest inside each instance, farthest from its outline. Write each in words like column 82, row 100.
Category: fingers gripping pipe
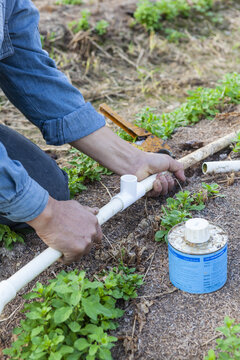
column 130, row 192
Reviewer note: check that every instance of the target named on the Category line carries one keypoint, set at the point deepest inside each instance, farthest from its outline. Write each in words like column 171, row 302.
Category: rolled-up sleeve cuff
column 27, row 205
column 76, row 125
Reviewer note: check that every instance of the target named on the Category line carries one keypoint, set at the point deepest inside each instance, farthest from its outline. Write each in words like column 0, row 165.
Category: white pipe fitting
column 215, row 167
column 130, row 191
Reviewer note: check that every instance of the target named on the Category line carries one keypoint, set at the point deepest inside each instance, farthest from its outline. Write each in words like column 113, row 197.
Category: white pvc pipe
column 130, row 191
column 215, row 167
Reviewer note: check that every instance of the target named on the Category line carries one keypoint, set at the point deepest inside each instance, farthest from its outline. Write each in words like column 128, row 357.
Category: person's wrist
column 45, row 217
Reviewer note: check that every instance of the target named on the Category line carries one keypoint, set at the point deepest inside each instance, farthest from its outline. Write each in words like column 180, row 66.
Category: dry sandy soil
column 129, row 70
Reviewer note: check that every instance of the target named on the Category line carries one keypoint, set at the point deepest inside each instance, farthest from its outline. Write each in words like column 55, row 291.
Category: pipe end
column 7, row 293
column 204, row 168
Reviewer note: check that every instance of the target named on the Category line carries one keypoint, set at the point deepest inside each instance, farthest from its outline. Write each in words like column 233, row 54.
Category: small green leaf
column 93, row 308
column 211, row 355
column 160, row 235
column 75, row 298
column 105, row 354
column 65, row 349
column 55, row 356
column 36, row 331
column 93, row 349
column 62, row 314
column 81, row 344
column 74, row 326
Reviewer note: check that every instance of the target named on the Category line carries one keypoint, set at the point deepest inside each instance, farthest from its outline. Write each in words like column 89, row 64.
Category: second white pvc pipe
column 215, row 167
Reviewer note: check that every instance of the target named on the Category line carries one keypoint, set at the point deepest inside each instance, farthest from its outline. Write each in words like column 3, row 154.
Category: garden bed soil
column 163, row 323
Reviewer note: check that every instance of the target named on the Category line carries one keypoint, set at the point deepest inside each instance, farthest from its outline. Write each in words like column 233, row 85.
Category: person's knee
column 39, row 165
column 64, row 192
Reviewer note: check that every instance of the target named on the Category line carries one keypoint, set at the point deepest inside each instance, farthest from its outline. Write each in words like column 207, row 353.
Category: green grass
column 82, row 24
column 69, row 2
column 152, row 14
column 101, row 27
column 201, row 103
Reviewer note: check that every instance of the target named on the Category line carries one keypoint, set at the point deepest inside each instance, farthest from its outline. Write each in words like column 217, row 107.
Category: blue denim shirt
column 31, row 81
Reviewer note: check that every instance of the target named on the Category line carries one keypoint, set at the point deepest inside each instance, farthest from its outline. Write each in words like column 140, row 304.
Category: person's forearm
column 111, row 151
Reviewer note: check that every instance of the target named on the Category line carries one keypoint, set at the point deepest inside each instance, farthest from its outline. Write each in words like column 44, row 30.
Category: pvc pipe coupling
column 130, row 190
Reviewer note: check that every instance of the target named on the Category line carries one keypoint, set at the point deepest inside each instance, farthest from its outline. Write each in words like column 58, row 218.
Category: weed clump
column 69, row 318
column 227, row 347
column 83, row 169
column 101, row 27
column 69, row 2
column 237, row 143
column 9, row 237
column 180, row 208
column 82, row 24
column 201, row 103
column 152, row 14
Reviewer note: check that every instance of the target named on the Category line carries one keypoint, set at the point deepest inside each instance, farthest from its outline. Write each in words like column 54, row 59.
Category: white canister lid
column 197, row 231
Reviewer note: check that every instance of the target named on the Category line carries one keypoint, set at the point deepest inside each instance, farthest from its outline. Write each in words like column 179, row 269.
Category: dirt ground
column 129, row 70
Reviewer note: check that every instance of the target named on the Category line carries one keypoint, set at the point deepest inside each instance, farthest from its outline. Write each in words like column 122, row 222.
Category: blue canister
column 197, row 251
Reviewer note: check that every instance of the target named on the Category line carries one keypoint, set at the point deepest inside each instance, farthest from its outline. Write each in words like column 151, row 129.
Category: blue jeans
column 40, row 166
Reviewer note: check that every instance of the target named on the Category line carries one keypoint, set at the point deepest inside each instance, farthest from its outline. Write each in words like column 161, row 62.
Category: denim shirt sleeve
column 21, row 198
column 42, row 93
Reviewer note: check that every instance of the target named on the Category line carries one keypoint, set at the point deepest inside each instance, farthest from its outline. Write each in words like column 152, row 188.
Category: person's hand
column 122, row 158
column 68, row 227
column 151, row 163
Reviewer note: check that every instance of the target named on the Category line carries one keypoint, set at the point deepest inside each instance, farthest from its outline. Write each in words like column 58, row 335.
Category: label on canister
column 197, row 268
column 198, row 274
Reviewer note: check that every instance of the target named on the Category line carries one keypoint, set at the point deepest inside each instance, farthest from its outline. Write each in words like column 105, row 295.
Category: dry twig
column 210, row 340
column 158, row 295
column 106, row 188
column 153, row 255
column 9, row 317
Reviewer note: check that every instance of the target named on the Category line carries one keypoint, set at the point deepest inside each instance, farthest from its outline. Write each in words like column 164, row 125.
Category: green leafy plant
column 122, row 282
column 148, row 15
column 82, row 24
column 83, row 169
column 152, row 14
column 9, row 237
column 201, row 103
column 124, row 135
column 180, row 208
column 212, row 190
column 228, row 347
column 69, row 2
column 101, row 27
column 174, row 36
column 237, row 143
column 176, row 211
column 70, row 317
column 42, row 38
